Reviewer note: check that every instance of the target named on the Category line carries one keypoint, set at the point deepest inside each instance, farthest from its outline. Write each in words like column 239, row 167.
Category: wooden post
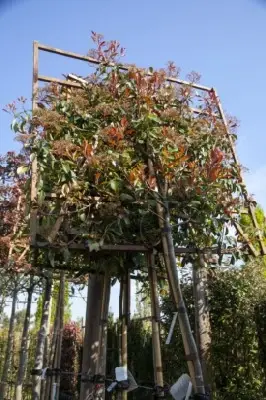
column 24, row 343
column 38, row 365
column 8, row 352
column 101, row 361
column 124, row 322
column 52, row 350
column 190, row 347
column 235, row 158
column 155, row 313
column 33, row 196
column 46, row 356
column 202, row 318
column 57, row 361
column 91, row 347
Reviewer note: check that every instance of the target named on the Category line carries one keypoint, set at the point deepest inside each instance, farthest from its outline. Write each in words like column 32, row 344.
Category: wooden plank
column 136, row 248
column 124, row 295
column 49, row 79
column 246, row 238
column 34, row 172
column 245, row 192
column 68, row 54
column 91, row 60
column 81, row 246
column 256, row 226
column 71, row 83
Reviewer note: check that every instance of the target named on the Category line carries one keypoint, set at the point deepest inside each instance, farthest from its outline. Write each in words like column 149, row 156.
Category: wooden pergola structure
column 38, row 244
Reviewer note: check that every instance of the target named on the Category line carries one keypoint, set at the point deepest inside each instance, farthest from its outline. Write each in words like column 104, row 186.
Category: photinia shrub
column 94, row 146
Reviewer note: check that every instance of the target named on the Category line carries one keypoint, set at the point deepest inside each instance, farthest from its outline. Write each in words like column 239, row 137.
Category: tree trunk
column 38, row 365
column 8, row 354
column 52, row 349
column 155, row 314
column 190, row 347
column 24, row 344
column 59, row 336
column 202, row 318
column 2, row 304
column 94, row 347
column 124, row 322
column 46, row 356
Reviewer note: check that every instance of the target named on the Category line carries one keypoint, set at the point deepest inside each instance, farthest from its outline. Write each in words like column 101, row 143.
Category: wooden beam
column 136, row 248
column 34, row 171
column 48, row 79
column 246, row 238
column 106, row 247
column 245, row 192
column 91, row 60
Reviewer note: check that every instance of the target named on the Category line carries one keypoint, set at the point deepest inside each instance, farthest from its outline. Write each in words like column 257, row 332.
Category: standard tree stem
column 155, row 313
column 24, row 344
column 190, row 347
column 3, row 384
column 95, row 333
column 202, row 318
column 36, row 381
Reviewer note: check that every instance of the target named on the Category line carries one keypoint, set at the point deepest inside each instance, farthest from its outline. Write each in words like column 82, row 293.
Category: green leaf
column 66, row 254
column 126, row 221
column 82, row 217
column 14, row 126
column 113, row 282
column 41, row 196
column 22, row 169
column 65, row 167
column 51, row 258
column 94, row 246
column 126, row 197
column 32, row 157
column 65, row 190
column 115, row 185
column 153, row 117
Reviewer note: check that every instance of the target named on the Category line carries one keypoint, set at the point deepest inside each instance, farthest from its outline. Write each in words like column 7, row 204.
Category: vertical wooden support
column 190, row 346
column 38, row 365
column 91, row 347
column 23, row 356
column 46, row 357
column 124, row 320
column 155, row 313
column 52, row 351
column 202, row 318
column 250, row 205
column 102, row 351
column 8, row 351
column 101, row 362
column 57, row 360
column 33, row 197
column 120, row 322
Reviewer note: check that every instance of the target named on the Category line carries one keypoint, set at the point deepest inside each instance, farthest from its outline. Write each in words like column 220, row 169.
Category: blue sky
column 222, row 40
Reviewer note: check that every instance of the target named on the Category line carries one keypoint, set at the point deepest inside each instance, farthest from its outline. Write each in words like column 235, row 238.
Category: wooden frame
column 70, row 83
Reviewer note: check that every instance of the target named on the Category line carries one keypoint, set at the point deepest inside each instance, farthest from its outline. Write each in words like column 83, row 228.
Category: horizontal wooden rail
column 91, row 60
column 49, row 79
column 137, row 248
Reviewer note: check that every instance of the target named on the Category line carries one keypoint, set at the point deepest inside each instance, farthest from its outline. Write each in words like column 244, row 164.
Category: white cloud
column 256, row 185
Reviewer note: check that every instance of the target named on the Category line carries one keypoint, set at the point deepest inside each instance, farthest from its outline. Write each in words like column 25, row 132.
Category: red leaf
column 124, row 122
